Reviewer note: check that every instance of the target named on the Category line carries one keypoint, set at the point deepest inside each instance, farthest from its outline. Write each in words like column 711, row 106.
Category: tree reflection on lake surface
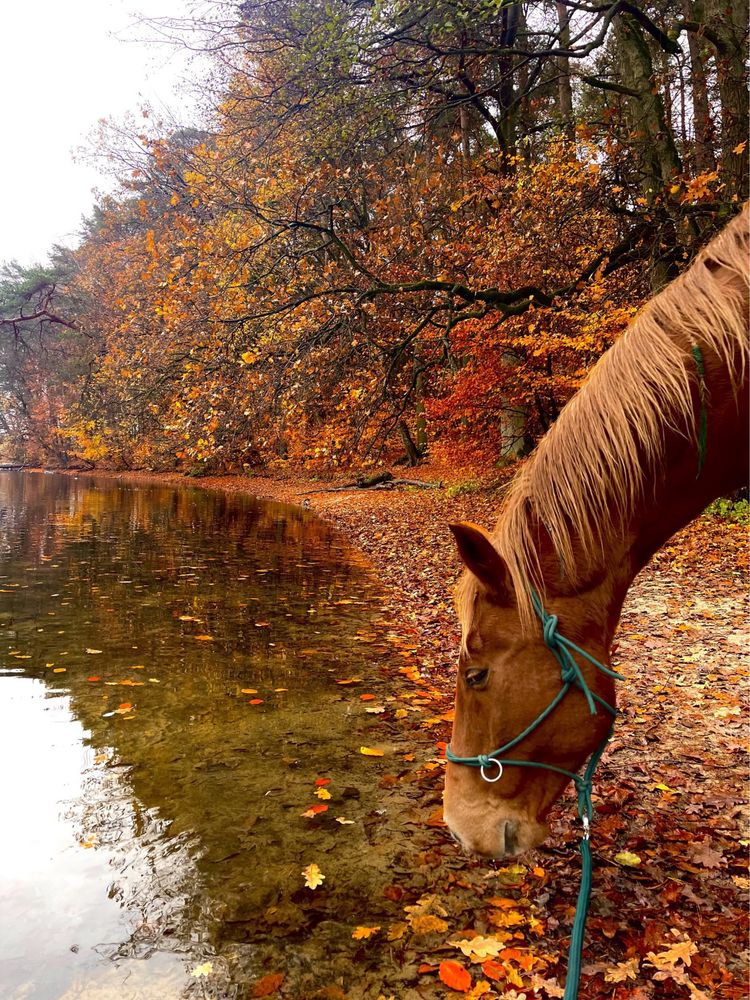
column 168, row 699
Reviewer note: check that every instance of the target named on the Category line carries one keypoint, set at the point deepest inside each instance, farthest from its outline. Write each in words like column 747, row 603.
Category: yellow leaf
column 396, row 931
column 623, row 970
column 371, row 752
column 344, row 821
column 313, row 876
column 322, row 793
column 202, row 970
column 361, row 933
column 679, row 952
column 740, row 149
column 628, row 859
column 479, row 948
column 428, row 924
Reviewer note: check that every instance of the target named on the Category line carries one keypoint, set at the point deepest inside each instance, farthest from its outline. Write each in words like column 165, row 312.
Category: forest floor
column 669, row 908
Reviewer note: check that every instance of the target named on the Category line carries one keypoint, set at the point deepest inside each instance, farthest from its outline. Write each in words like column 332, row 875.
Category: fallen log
column 382, row 481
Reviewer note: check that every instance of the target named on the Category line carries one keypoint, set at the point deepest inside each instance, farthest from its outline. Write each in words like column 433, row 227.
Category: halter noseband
column 571, row 676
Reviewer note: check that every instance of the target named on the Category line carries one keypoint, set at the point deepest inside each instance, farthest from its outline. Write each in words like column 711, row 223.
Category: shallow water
column 153, row 840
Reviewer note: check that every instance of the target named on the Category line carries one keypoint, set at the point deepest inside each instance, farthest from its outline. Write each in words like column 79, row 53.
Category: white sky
column 63, row 68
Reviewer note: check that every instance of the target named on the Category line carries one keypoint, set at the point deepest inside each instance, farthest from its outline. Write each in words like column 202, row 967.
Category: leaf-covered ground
column 668, row 916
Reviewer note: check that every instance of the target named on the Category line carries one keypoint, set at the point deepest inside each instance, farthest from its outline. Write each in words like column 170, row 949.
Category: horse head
column 508, row 677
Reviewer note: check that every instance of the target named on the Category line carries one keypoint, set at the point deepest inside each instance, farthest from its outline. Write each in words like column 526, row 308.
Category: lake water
column 171, row 703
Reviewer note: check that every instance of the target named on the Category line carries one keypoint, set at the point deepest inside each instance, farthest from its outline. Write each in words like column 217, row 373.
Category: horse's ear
column 479, row 555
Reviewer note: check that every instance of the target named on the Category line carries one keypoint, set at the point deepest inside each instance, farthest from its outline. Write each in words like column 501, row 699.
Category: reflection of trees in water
column 154, row 876
column 201, row 799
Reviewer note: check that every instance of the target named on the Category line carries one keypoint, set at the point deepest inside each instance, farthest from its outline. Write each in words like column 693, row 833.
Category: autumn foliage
column 362, row 254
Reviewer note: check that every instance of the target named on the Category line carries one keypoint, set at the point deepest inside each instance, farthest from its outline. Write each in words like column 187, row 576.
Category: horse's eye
column 476, row 677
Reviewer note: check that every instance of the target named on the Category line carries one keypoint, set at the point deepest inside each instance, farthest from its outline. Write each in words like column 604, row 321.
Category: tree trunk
column 564, row 89
column 653, row 138
column 705, row 159
column 413, row 455
column 729, row 20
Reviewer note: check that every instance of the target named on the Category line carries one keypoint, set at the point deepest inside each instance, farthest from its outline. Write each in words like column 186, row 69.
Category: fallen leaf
column 202, row 970
column 313, row 876
column 362, row 933
column 371, row 752
column 92, row 651
column 428, row 924
column 314, row 811
column 455, row 976
column 666, row 960
column 628, row 859
column 322, row 793
column 623, row 970
column 204, row 638
column 267, row 985
column 479, row 948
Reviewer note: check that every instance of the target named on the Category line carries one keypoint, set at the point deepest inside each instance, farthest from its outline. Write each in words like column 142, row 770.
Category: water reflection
column 169, row 697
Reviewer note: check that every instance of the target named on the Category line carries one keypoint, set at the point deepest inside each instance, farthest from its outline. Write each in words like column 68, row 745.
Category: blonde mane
column 590, row 471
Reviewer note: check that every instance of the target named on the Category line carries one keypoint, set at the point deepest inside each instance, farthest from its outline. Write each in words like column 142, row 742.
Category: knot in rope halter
column 571, row 676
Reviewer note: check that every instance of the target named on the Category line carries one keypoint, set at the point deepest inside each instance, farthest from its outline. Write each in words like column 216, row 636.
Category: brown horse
column 659, row 430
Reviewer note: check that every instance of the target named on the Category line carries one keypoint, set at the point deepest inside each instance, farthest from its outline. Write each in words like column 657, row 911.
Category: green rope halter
column 571, row 676
column 703, row 418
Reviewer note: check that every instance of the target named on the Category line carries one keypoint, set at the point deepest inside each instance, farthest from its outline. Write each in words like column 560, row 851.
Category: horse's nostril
column 510, row 836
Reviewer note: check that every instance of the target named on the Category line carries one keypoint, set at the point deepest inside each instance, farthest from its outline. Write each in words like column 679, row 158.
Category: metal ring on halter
column 493, row 760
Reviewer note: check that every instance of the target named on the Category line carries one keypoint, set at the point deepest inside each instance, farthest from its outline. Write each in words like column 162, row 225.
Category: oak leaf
column 623, row 971
column 362, row 933
column 313, row 876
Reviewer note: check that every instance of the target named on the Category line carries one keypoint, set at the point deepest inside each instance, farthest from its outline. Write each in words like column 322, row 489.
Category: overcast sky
column 64, row 66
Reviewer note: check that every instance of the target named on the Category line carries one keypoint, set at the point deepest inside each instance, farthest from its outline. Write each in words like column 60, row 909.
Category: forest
column 399, row 230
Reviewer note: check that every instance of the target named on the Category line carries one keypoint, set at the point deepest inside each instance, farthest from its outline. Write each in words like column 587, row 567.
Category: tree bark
column 729, row 19
column 564, row 88
column 702, row 120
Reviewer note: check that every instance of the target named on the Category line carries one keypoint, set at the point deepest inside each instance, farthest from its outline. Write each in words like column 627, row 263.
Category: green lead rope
column 571, row 676
column 703, row 418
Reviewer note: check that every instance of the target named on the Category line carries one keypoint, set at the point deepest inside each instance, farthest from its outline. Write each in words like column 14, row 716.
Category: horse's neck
column 693, row 474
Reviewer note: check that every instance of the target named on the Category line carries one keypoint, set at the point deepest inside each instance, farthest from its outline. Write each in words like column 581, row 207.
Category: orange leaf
column 493, row 970
column 322, row 782
column 255, row 701
column 367, row 697
column 362, row 933
column 455, row 976
column 205, row 638
column 93, row 679
column 267, row 985
column 125, row 706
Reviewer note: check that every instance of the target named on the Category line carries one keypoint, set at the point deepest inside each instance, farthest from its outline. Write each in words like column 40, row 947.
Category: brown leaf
column 268, row 985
